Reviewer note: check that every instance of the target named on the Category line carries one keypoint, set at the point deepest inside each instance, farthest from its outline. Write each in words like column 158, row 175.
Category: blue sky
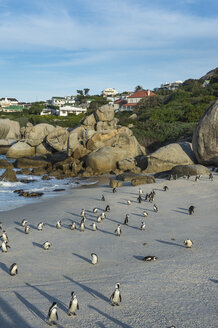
column 54, row 47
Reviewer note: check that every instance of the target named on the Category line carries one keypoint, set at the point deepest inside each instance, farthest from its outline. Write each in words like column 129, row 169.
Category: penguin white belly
column 73, row 306
column 53, row 315
column 94, row 260
column 116, row 296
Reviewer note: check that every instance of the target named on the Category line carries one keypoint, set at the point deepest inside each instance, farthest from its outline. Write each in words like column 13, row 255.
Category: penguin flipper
column 120, row 298
column 112, row 296
column 77, row 306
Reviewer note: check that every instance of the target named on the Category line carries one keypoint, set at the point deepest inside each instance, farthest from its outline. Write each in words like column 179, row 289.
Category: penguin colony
column 115, row 298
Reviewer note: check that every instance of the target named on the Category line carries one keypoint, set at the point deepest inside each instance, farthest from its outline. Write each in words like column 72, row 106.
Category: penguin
column 142, row 226
column 145, row 214
column 140, row 191
column 114, row 190
column 116, row 296
column 102, row 198
column 82, row 226
column 95, row 210
column 5, row 236
column 191, row 209
column 170, row 177
column 46, row 245
column 27, row 229
column 94, row 226
column 197, row 177
column 23, row 223
column 13, row 269
column 83, row 220
column 82, row 212
column 107, row 209
column 73, row 305
column 155, row 208
column 73, row 226
column 128, row 202
column 150, row 258
column 118, row 230
column 5, row 247
column 165, row 188
column 211, row 176
column 103, row 216
column 52, row 314
column 146, row 196
column 94, row 258
column 126, row 221
column 40, row 226
column 99, row 219
column 0, row 225
column 139, row 199
column 188, row 243
column 58, row 224
column 188, row 176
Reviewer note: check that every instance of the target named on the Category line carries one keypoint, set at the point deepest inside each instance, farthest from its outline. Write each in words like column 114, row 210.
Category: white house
column 67, row 109
column 5, row 102
column 60, row 101
column 109, row 92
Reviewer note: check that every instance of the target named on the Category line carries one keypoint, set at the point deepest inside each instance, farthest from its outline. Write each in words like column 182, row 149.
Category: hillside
column 172, row 115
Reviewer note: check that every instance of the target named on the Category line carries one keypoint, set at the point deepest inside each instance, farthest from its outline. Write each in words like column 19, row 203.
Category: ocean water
column 10, row 200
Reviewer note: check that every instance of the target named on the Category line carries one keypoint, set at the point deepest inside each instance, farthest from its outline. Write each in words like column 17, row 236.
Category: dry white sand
column 180, row 288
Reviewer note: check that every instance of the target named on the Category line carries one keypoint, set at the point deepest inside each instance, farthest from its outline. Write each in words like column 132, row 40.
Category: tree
column 138, row 88
column 86, row 91
column 80, row 92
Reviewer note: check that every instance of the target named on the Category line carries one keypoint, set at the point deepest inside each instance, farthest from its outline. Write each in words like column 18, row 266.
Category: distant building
column 133, row 100
column 60, row 101
column 5, row 102
column 109, row 92
column 12, row 109
column 65, row 110
column 169, row 86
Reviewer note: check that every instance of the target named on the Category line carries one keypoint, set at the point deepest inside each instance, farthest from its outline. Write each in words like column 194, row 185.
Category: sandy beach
column 180, row 288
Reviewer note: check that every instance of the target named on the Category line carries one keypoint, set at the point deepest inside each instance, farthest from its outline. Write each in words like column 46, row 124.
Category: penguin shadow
column 15, row 317
column 132, row 227
column 170, row 243
column 33, row 227
column 4, row 267
column 89, row 290
column 74, row 214
column 115, row 321
column 17, row 223
column 182, row 210
column 20, row 230
column 37, row 245
column 137, row 214
column 139, row 258
column 50, row 225
column 83, row 258
column 50, row 298
column 104, row 231
column 32, row 308
column 118, row 222
column 214, row 280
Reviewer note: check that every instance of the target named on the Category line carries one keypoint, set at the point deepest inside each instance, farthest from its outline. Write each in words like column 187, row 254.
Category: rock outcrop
column 185, row 170
column 37, row 133
column 9, row 129
column 165, row 158
column 9, row 175
column 205, row 137
column 20, row 149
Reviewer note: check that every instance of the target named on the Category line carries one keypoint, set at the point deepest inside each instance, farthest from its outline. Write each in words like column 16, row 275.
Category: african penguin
column 128, row 202
column 142, row 226
column 103, row 198
column 52, row 314
column 95, row 210
column 40, row 226
column 13, row 269
column 5, row 247
column 188, row 243
column 73, row 306
column 145, row 214
column 103, row 216
column 139, row 199
column 165, row 188
column 0, row 225
column 118, row 230
column 82, row 212
column 191, row 209
column 27, row 229
column 114, row 190
column 155, row 208
column 94, row 258
column 211, row 176
column 98, row 219
column 140, row 191
column 46, row 245
column 107, row 209
column 58, row 224
column 149, row 258
column 73, row 226
column 82, row 226
column 116, row 296
column 94, row 226
column 23, row 223
column 5, row 236
column 126, row 221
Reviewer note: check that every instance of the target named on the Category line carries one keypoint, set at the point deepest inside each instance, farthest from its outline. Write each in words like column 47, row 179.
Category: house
column 132, row 100
column 5, row 102
column 109, row 92
column 60, row 101
column 67, row 109
column 12, row 109
column 169, row 85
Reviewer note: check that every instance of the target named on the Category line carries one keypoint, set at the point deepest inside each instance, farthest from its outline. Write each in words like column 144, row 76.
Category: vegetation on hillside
column 171, row 115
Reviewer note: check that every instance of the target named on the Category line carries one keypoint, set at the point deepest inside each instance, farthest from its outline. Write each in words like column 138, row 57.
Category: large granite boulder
column 9, row 175
column 30, row 163
column 165, row 158
column 90, row 120
column 4, row 164
column 108, row 125
column 9, row 129
column 142, row 179
column 58, row 139
column 20, row 149
column 185, row 170
column 37, row 133
column 205, row 137
column 104, row 113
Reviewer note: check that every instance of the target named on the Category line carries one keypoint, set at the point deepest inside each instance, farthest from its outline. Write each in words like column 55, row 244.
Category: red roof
column 141, row 94
column 120, row 101
column 130, row 104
